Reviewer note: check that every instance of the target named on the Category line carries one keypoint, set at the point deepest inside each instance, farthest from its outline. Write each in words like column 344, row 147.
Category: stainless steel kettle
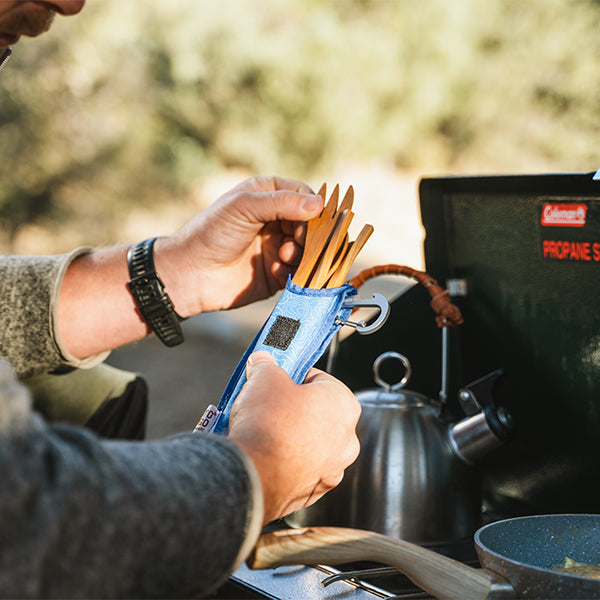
column 414, row 478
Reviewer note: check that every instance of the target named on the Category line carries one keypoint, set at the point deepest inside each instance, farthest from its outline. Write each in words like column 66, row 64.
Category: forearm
column 97, row 312
column 240, row 249
column 119, row 519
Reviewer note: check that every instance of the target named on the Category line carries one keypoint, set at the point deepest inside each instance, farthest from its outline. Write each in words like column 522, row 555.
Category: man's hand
column 300, row 438
column 238, row 250
column 241, row 248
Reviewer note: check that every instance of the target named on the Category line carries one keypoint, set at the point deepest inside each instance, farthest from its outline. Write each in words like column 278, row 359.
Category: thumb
column 282, row 205
column 257, row 360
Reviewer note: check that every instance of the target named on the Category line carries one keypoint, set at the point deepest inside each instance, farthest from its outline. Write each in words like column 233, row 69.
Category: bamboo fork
column 348, row 200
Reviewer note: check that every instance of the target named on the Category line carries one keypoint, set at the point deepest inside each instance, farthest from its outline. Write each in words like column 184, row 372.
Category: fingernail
column 311, row 203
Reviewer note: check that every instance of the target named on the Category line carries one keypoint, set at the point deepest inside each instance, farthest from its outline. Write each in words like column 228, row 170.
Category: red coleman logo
column 564, row 215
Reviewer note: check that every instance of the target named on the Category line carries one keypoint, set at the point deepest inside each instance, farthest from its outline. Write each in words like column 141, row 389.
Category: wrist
column 148, row 290
column 177, row 275
column 265, row 476
column 95, row 311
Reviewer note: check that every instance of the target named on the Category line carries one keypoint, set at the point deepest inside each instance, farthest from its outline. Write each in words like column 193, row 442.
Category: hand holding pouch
column 296, row 333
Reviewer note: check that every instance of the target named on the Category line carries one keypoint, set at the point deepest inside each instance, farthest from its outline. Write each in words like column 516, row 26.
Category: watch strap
column 148, row 291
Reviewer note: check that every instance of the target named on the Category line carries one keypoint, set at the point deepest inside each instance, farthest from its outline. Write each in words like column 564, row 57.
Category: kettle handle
column 384, row 384
column 445, row 578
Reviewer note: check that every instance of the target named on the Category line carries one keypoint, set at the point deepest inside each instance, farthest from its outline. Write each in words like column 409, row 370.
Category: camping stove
column 527, row 248
column 352, row 582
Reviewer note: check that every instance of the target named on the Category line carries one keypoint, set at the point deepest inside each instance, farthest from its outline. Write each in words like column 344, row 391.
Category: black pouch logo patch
column 282, row 333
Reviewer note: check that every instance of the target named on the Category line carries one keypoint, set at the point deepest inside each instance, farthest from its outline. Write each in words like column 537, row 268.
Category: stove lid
column 528, row 249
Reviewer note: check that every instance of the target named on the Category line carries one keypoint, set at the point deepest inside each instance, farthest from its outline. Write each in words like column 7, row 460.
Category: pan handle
column 445, row 578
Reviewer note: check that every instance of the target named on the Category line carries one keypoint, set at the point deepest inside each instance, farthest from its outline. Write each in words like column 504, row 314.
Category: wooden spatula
column 443, row 577
column 321, row 273
column 317, row 234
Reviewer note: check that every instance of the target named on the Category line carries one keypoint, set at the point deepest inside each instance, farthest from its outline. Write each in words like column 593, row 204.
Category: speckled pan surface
column 524, row 550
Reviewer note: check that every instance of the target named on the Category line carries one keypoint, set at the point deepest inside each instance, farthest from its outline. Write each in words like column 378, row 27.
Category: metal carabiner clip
column 377, row 301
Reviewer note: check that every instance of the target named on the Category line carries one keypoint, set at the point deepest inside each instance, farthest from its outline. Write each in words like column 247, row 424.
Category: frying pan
column 517, row 556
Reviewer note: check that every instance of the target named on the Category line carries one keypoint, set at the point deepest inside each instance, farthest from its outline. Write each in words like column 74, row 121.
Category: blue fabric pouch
column 296, row 333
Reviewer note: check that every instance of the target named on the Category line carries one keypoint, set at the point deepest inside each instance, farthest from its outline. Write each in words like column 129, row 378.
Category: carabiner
column 377, row 301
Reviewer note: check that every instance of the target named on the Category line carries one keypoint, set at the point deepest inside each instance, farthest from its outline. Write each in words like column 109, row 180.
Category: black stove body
column 527, row 251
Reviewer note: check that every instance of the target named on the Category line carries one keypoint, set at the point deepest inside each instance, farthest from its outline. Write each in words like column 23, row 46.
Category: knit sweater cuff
column 254, row 524
column 29, row 338
column 69, row 359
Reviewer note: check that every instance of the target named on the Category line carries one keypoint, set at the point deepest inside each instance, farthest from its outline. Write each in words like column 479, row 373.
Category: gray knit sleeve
column 88, row 518
column 29, row 287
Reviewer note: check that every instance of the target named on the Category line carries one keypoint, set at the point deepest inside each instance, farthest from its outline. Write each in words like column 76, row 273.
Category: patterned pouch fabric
column 296, row 333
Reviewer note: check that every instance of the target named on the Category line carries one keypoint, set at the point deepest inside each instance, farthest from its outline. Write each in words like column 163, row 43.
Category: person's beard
column 27, row 19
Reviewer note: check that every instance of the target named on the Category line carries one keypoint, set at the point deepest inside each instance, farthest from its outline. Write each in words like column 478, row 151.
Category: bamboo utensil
column 321, row 273
column 328, row 253
column 317, row 232
column 337, row 261
column 354, row 248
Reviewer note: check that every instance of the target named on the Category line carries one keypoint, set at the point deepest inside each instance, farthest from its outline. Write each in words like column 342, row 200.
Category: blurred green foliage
column 134, row 102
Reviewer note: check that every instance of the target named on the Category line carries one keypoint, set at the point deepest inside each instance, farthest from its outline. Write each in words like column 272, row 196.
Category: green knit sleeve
column 29, row 287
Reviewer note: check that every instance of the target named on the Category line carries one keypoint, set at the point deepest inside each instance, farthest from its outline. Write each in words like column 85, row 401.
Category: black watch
column 148, row 291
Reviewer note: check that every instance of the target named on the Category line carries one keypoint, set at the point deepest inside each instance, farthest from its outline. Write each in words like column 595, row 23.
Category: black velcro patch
column 282, row 332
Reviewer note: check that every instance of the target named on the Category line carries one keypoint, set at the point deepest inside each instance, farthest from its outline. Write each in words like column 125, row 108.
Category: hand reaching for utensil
column 300, row 438
column 238, row 250
column 243, row 247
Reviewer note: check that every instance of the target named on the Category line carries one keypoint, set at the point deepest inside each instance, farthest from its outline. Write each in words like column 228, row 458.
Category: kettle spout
column 486, row 427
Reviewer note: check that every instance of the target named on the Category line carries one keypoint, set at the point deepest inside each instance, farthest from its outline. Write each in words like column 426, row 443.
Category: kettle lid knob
column 389, row 387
